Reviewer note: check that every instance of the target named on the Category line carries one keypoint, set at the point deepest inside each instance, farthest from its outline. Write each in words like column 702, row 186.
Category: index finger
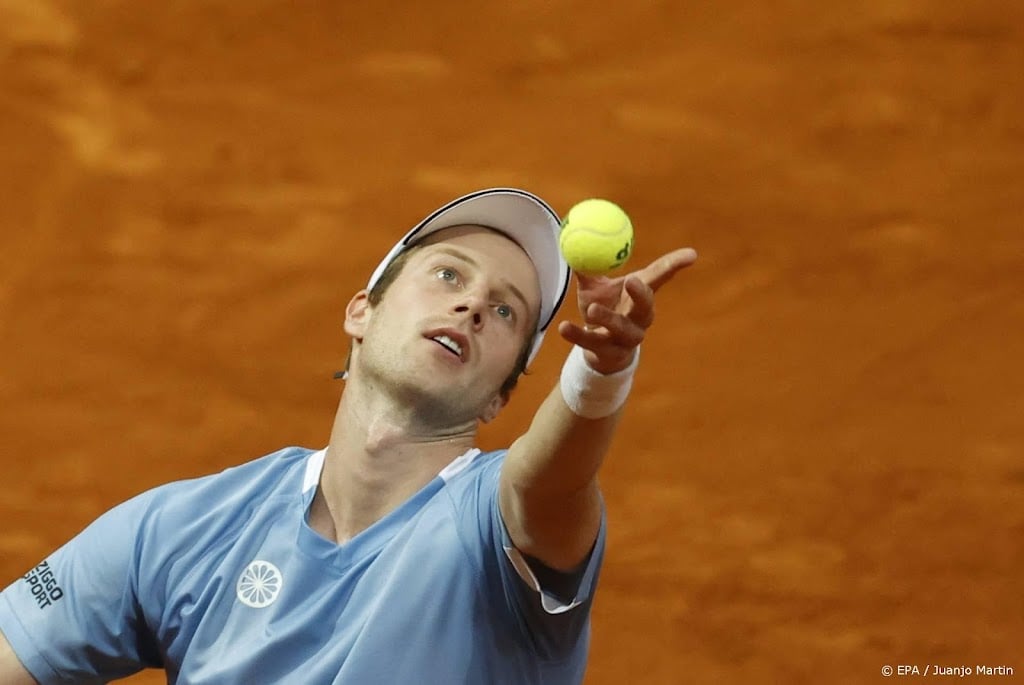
column 661, row 270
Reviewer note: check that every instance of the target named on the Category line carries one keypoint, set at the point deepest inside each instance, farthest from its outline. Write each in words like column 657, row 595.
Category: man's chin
column 442, row 403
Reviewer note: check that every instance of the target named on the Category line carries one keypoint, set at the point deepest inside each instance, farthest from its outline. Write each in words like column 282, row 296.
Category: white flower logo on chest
column 259, row 585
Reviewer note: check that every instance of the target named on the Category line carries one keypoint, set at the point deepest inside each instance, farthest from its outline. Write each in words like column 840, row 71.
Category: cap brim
column 523, row 217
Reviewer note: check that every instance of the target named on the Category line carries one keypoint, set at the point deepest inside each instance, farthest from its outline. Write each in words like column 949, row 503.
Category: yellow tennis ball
column 596, row 237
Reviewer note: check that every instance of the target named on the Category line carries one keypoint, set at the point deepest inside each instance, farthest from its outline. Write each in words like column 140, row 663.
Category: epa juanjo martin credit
column 941, row 670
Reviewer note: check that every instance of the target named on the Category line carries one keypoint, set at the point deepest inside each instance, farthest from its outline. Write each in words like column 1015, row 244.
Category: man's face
column 449, row 330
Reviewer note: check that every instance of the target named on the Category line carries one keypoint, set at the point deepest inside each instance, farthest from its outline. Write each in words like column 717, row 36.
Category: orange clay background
column 820, row 471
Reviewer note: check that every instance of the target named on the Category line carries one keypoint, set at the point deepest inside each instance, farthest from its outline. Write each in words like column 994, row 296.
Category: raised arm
column 549, row 496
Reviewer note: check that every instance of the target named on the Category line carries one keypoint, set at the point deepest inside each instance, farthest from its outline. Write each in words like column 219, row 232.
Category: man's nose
column 473, row 305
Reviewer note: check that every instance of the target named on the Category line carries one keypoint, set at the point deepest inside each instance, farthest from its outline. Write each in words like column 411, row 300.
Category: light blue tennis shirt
column 220, row 580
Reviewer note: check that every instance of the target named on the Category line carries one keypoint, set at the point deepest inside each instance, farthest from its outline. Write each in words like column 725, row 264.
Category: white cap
column 523, row 217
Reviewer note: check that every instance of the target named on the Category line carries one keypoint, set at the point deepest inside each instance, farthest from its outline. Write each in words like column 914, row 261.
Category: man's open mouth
column 449, row 343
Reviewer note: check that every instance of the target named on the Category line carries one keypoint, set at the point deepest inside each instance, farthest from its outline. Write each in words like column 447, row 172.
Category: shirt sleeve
column 76, row 616
column 553, row 616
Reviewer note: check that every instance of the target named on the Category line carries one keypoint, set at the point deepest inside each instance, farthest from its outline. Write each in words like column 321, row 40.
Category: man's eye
column 446, row 274
column 504, row 311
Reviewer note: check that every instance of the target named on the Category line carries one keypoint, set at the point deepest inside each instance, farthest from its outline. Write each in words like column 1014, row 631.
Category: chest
column 275, row 600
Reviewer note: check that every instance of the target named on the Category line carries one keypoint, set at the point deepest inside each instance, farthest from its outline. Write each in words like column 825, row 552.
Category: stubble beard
column 429, row 402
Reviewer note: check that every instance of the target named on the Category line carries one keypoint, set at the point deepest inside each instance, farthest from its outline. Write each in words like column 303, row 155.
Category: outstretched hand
column 618, row 311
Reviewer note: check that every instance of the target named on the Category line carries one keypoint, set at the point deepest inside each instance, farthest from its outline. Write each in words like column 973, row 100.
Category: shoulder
column 470, row 492
column 186, row 504
column 185, row 528
column 473, row 470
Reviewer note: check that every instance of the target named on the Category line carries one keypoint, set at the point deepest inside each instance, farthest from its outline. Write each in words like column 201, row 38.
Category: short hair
column 391, row 273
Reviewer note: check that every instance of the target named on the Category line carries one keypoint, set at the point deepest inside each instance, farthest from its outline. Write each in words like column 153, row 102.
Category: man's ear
column 493, row 408
column 357, row 314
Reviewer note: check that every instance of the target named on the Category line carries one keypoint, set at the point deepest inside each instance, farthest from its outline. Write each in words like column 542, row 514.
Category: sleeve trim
column 551, row 604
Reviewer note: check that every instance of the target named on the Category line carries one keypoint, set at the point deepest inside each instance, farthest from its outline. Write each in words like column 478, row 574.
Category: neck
column 380, row 454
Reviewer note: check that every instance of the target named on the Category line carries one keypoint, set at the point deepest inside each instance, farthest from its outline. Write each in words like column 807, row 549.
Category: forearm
column 550, row 499
column 561, row 452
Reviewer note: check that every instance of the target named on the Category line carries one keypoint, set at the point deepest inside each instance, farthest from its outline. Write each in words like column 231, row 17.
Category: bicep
column 12, row 672
column 559, row 531
column 550, row 616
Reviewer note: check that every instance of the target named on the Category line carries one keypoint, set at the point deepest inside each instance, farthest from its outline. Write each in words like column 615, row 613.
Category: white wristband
column 591, row 394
